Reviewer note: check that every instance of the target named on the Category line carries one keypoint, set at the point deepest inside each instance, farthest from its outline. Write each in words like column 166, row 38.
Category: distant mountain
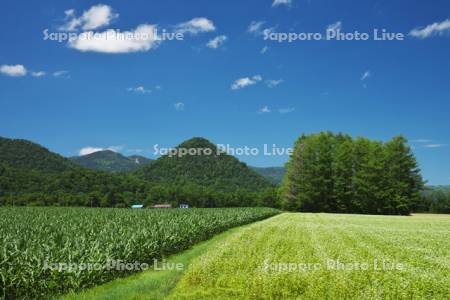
column 110, row 161
column 23, row 154
column 445, row 188
column 274, row 174
column 32, row 175
column 219, row 171
column 429, row 189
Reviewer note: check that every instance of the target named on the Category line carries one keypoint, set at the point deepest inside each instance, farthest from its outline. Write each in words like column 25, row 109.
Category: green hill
column 110, row 161
column 23, row 154
column 219, row 171
column 32, row 175
column 274, row 174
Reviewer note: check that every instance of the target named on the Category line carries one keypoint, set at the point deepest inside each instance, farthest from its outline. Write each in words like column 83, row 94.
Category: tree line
column 335, row 173
column 80, row 187
column 436, row 200
column 326, row 173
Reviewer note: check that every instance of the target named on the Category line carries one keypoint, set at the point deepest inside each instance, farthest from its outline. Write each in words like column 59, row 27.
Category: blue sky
column 224, row 81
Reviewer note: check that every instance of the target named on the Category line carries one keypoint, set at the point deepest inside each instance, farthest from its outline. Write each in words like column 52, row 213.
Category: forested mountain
column 274, row 174
column 216, row 170
column 23, row 154
column 32, row 175
column 110, row 161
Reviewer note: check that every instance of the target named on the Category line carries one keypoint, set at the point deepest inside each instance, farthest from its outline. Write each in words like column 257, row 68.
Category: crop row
column 35, row 240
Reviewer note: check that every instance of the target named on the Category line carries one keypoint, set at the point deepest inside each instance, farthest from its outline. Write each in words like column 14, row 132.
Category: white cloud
column 286, row 110
column 13, row 70
column 216, row 42
column 139, row 90
column 422, row 141
column 195, row 26
column 95, row 17
column 434, row 145
column 264, row 110
column 179, row 106
column 38, row 74
column 281, row 2
column 245, row 81
column 271, row 83
column 62, row 74
column 366, row 75
column 264, row 50
column 143, row 38
column 335, row 27
column 90, row 150
column 258, row 28
column 255, row 27
column 431, row 30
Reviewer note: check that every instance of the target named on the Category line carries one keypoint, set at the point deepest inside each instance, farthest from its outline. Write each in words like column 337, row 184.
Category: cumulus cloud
column 271, row 83
column 195, row 26
column 90, row 150
column 366, row 75
column 431, row 30
column 216, row 42
column 143, row 38
column 13, row 70
column 179, row 106
column 245, row 81
column 139, row 90
column 281, row 2
column 95, row 17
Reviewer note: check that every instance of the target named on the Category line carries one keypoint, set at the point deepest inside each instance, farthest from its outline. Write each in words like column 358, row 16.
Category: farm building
column 162, row 206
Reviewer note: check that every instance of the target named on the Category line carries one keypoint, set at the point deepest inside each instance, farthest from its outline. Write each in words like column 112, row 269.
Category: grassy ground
column 150, row 284
column 298, row 255
column 306, row 256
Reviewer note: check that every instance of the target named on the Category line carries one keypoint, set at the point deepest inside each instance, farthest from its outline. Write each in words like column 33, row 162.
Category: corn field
column 34, row 238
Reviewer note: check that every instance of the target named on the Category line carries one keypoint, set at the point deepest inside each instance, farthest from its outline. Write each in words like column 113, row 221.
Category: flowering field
column 326, row 256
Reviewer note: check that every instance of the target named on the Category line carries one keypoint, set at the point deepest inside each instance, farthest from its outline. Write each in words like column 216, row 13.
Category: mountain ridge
column 110, row 161
column 216, row 170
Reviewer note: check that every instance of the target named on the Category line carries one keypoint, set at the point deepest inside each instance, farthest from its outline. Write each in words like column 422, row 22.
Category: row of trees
column 82, row 187
column 326, row 173
column 336, row 173
column 434, row 201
